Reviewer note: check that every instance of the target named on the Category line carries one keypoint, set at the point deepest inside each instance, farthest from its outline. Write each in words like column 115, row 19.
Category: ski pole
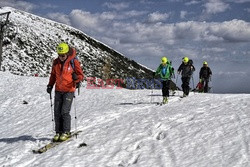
column 152, row 92
column 193, row 83
column 51, row 109
column 176, row 79
column 75, row 114
column 211, row 85
column 176, row 83
column 173, row 90
column 79, row 86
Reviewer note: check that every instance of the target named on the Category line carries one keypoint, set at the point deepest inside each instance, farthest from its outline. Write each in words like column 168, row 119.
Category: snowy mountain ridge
column 29, row 48
column 124, row 128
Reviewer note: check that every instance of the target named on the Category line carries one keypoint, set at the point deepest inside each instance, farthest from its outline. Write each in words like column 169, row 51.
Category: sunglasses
column 62, row 55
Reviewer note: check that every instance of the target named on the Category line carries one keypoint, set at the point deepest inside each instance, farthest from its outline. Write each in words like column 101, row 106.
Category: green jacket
column 168, row 71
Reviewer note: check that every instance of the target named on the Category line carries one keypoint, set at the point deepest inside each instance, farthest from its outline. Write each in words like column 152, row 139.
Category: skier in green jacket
column 165, row 71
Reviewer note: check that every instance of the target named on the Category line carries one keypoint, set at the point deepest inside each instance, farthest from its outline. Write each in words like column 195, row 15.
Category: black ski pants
column 205, row 84
column 185, row 85
column 63, row 102
column 165, row 88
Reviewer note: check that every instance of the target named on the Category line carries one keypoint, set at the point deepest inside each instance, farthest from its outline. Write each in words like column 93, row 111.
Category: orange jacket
column 61, row 73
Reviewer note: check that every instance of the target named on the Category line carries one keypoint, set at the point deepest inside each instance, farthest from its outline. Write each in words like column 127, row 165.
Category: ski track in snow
column 124, row 128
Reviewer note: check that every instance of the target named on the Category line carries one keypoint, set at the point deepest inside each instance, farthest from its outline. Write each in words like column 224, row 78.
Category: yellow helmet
column 62, row 48
column 164, row 60
column 185, row 60
column 205, row 63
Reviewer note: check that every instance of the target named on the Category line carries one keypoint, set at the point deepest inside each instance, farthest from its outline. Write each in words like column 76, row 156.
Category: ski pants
column 63, row 102
column 205, row 84
column 165, row 88
column 185, row 85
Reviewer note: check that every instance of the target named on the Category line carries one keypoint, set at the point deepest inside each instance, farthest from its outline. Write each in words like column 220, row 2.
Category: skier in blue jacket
column 165, row 71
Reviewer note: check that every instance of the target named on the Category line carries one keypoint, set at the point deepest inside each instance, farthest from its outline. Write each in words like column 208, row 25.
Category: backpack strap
column 72, row 62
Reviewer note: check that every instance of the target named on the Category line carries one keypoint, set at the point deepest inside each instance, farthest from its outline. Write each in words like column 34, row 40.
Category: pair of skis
column 53, row 144
column 161, row 103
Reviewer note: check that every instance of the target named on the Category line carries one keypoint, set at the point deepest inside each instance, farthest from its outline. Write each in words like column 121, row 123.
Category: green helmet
column 62, row 48
column 185, row 60
column 204, row 63
column 164, row 60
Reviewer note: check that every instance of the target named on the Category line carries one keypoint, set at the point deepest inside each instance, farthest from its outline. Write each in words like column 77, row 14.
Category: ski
column 183, row 96
column 160, row 103
column 53, row 144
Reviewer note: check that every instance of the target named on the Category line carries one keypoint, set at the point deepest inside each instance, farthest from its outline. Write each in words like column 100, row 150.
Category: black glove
column 74, row 76
column 49, row 89
column 78, row 84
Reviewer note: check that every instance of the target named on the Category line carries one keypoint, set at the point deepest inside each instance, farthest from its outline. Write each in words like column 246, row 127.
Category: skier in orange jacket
column 66, row 74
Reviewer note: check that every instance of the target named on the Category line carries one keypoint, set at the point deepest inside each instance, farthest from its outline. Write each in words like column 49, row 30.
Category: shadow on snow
column 22, row 138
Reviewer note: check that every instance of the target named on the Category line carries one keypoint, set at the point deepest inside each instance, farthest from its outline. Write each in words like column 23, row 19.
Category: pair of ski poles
column 51, row 109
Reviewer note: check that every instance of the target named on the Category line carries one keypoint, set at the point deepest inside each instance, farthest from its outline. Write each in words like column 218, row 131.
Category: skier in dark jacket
column 186, row 69
column 205, row 76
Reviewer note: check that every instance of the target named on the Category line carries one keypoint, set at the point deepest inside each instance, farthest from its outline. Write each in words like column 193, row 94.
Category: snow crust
column 124, row 128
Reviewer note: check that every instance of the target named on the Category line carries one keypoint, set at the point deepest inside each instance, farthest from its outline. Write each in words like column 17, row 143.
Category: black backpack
column 190, row 62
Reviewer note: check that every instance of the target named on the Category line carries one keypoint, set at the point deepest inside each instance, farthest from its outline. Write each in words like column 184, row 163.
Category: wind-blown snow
column 124, row 128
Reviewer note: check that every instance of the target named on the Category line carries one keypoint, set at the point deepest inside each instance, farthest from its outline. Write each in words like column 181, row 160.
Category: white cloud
column 214, row 49
column 183, row 14
column 59, row 17
column 22, row 5
column 107, row 16
column 146, row 2
column 232, row 74
column 228, row 31
column 215, row 6
column 117, row 6
column 189, row 52
column 133, row 13
column 232, row 31
column 239, row 1
column 48, row 6
column 248, row 10
column 193, row 2
column 140, row 38
column 86, row 21
column 157, row 17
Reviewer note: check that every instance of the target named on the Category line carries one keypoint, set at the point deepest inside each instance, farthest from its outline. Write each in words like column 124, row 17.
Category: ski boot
column 165, row 100
column 184, row 95
column 56, row 137
column 65, row 136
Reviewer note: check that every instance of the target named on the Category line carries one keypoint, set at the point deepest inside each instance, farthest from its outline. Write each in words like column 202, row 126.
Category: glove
column 49, row 89
column 78, row 85
column 172, row 75
column 74, row 76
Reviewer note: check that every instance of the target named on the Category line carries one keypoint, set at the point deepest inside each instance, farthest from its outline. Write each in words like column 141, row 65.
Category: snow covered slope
column 124, row 128
column 29, row 48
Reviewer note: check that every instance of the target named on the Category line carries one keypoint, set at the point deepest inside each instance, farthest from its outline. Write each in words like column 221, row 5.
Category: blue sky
column 216, row 31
